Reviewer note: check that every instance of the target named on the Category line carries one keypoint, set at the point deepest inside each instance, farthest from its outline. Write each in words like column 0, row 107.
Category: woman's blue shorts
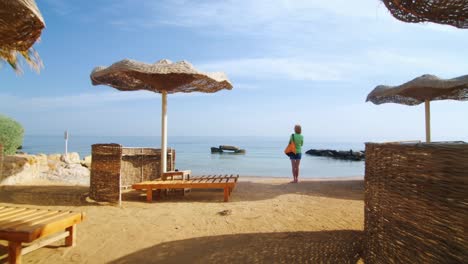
column 295, row 156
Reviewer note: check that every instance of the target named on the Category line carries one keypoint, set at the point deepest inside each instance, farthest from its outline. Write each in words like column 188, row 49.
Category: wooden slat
column 48, row 219
column 52, row 227
column 225, row 182
column 22, row 216
column 29, row 224
column 209, row 181
column 40, row 230
column 188, row 185
column 202, row 178
column 44, row 242
column 11, row 214
column 7, row 211
column 12, row 224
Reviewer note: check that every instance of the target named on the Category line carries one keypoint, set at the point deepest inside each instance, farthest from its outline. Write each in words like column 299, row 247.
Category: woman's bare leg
column 293, row 170
column 298, row 162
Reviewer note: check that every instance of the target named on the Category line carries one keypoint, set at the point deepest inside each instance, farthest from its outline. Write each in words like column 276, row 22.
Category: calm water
column 264, row 156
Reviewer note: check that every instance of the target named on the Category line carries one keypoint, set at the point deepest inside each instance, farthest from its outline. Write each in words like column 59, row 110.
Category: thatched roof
column 129, row 75
column 449, row 12
column 21, row 24
column 426, row 87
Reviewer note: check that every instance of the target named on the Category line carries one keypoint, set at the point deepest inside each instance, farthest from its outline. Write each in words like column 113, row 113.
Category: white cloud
column 368, row 64
column 391, row 62
column 71, row 101
column 280, row 68
column 244, row 14
column 83, row 100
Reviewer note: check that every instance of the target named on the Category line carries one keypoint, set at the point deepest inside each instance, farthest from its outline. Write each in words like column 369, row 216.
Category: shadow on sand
column 57, row 195
column 255, row 191
column 339, row 246
column 45, row 195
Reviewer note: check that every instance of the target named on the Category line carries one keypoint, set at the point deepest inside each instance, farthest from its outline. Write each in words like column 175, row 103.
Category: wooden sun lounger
column 25, row 225
column 228, row 183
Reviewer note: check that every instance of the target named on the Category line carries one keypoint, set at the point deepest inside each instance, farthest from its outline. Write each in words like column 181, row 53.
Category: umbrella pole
column 428, row 120
column 164, row 133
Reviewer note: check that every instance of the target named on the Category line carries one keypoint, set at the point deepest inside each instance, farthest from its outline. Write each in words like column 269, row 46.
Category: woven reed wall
column 113, row 166
column 416, row 203
column 105, row 172
column 143, row 164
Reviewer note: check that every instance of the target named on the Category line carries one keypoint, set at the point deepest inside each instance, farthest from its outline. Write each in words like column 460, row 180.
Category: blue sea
column 264, row 155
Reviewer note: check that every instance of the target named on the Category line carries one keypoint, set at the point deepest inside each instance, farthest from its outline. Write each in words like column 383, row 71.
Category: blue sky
column 307, row 62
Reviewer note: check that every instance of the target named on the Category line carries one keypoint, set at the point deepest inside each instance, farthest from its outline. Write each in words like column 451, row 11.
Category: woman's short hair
column 297, row 129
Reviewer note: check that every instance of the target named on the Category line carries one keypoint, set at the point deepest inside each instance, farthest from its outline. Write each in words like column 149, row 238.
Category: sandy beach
column 267, row 220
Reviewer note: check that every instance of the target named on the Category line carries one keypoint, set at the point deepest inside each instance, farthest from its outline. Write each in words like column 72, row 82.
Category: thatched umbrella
column 163, row 77
column 21, row 25
column 422, row 89
column 449, row 12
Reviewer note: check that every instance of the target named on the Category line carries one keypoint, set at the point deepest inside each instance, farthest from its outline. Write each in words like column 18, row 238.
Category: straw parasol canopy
column 449, row 12
column 162, row 77
column 425, row 88
column 21, row 25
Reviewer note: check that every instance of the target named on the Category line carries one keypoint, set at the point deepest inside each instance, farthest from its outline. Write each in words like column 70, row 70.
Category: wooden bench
column 226, row 182
column 26, row 225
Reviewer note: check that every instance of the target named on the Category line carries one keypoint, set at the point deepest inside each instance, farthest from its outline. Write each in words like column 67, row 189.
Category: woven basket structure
column 449, row 12
column 21, row 24
column 130, row 75
column 425, row 87
column 105, row 172
column 416, row 203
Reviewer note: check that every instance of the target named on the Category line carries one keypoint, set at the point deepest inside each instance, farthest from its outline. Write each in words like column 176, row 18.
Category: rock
column 344, row 155
column 227, row 149
column 54, row 157
column 71, row 157
column 70, row 173
column 23, row 169
column 86, row 162
column 225, row 212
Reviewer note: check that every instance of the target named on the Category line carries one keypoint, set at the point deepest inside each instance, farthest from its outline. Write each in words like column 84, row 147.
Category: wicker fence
column 416, row 203
column 143, row 164
column 113, row 167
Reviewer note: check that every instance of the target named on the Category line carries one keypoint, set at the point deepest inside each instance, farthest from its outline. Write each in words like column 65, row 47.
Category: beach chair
column 38, row 226
column 226, row 182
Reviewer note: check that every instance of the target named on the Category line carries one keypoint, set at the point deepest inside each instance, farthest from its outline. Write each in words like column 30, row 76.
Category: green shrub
column 11, row 135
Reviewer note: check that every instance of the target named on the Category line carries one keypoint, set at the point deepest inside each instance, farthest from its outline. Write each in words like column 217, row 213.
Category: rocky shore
column 336, row 154
column 25, row 168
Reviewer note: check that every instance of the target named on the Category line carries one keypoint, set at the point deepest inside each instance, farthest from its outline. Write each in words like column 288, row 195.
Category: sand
column 267, row 220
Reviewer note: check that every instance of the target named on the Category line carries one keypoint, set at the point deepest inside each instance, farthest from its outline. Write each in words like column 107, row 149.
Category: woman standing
column 296, row 158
